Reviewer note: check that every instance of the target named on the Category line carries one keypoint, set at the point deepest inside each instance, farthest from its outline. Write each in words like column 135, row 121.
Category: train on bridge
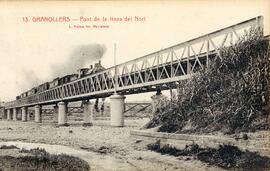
column 160, row 70
column 83, row 72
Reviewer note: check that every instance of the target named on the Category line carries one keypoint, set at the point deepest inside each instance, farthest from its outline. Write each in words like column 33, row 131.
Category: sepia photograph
column 135, row 85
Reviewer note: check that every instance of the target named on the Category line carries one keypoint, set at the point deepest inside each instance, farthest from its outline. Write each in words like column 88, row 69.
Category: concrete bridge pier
column 19, row 113
column 88, row 108
column 24, row 114
column 14, row 114
column 62, row 113
column 9, row 114
column 4, row 114
column 38, row 109
column 28, row 116
column 55, row 118
column 117, row 107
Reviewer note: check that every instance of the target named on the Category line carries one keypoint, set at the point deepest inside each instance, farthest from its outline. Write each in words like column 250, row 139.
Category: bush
column 8, row 147
column 226, row 156
column 41, row 160
column 230, row 96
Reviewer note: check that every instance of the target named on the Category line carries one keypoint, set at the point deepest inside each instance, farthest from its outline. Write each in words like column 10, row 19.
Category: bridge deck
column 162, row 69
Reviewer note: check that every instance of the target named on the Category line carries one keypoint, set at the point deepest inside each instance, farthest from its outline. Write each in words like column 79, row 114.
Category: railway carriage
column 54, row 83
column 83, row 72
column 43, row 87
column 67, row 79
column 25, row 94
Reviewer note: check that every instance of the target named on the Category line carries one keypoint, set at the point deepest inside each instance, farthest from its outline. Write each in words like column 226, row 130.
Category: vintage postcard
column 137, row 86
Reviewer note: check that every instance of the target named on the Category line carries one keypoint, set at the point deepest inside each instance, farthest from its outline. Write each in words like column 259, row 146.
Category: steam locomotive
column 83, row 72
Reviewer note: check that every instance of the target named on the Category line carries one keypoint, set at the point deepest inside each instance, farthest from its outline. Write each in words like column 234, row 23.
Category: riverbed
column 86, row 142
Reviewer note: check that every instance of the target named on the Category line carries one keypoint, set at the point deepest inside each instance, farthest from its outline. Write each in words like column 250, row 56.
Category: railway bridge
column 160, row 70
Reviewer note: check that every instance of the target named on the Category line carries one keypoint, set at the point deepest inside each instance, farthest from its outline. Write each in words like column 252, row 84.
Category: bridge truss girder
column 159, row 70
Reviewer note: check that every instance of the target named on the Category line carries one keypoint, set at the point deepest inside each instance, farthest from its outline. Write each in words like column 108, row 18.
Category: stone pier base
column 8, row 114
column 38, row 114
column 55, row 118
column 14, row 114
column 117, row 106
column 24, row 114
column 62, row 114
column 88, row 113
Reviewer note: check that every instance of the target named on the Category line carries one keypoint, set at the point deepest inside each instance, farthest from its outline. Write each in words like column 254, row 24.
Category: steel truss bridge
column 162, row 69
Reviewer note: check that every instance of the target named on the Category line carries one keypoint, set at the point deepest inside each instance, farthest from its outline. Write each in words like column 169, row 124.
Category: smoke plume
column 29, row 80
column 82, row 56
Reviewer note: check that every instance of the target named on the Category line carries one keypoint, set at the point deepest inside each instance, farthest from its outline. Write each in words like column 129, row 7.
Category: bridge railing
column 165, row 66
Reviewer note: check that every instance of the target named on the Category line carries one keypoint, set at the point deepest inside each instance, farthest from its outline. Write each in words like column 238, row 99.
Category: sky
column 34, row 52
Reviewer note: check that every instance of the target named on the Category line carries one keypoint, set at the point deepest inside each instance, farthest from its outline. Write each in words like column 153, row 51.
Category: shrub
column 230, row 96
column 41, row 160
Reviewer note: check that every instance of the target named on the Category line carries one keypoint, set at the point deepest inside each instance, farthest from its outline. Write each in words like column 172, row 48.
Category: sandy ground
column 120, row 152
